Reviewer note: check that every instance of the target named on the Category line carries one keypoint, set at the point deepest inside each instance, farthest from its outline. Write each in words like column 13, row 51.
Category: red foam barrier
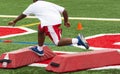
column 83, row 61
column 23, row 57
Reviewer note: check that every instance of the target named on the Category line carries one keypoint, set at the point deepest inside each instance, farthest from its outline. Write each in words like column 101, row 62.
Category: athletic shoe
column 82, row 41
column 34, row 49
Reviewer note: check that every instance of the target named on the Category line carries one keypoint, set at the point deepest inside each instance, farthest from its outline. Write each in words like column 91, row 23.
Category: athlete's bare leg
column 41, row 38
column 65, row 41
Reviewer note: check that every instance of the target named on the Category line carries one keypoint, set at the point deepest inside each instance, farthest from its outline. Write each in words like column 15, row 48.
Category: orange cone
column 79, row 26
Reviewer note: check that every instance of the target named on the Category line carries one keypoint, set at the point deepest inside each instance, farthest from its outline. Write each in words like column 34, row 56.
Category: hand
column 11, row 23
column 67, row 24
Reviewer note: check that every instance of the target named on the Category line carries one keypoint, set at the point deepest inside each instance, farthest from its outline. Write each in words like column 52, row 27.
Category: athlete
column 49, row 15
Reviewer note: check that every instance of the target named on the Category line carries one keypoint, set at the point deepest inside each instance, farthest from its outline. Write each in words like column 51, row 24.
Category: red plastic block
column 23, row 57
column 83, row 61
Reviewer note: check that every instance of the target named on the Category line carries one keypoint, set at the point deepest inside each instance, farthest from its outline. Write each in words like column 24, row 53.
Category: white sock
column 74, row 40
column 40, row 48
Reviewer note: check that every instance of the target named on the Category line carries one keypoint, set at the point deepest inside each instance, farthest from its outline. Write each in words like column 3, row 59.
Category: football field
column 96, row 17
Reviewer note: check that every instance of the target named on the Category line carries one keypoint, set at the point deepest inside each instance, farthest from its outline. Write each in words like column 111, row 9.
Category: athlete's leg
column 55, row 35
column 41, row 37
column 65, row 41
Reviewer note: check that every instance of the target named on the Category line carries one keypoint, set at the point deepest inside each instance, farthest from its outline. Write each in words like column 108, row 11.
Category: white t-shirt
column 48, row 13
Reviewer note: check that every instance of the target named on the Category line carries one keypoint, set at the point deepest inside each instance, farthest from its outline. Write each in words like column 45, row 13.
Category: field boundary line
column 71, row 18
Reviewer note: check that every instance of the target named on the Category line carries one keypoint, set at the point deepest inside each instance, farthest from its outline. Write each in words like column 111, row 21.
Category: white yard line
column 71, row 18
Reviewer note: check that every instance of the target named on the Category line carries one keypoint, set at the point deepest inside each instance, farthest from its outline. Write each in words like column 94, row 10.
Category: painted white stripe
column 38, row 65
column 107, row 67
column 66, row 52
column 14, row 16
column 117, row 43
column 94, row 19
column 100, row 68
column 27, row 29
column 71, row 18
column 94, row 36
